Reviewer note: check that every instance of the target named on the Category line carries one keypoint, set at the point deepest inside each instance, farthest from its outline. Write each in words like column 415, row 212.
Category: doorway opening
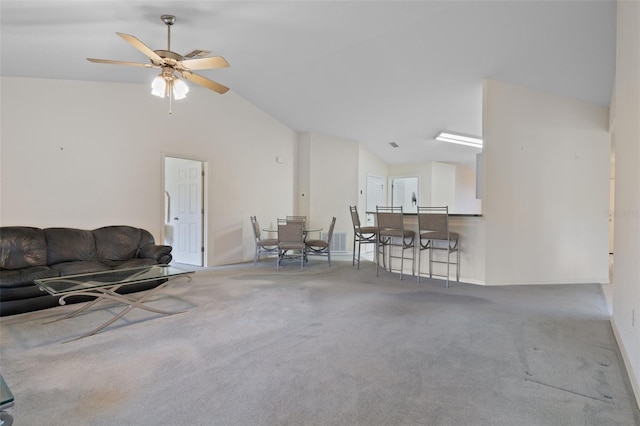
column 404, row 193
column 184, row 209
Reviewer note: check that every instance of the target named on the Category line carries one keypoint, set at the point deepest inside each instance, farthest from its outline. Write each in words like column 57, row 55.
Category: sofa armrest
column 162, row 254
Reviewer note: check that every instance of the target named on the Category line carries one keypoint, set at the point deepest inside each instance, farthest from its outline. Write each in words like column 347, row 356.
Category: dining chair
column 290, row 239
column 302, row 219
column 361, row 234
column 435, row 235
column 392, row 234
column 263, row 245
column 321, row 247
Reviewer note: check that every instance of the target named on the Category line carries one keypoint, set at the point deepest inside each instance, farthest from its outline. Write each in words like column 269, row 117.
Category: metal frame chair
column 361, row 234
column 321, row 247
column 433, row 226
column 263, row 246
column 290, row 238
column 391, row 233
column 302, row 219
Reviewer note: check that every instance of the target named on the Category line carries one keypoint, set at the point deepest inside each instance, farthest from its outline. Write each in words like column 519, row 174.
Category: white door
column 404, row 192
column 184, row 186
column 375, row 197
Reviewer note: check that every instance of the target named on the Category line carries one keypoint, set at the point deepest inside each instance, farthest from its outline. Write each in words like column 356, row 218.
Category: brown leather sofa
column 28, row 253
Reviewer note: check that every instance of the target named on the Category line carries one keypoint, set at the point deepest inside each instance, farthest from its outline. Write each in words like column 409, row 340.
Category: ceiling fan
column 168, row 84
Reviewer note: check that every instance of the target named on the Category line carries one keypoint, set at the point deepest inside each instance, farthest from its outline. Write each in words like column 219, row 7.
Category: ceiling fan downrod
column 169, row 20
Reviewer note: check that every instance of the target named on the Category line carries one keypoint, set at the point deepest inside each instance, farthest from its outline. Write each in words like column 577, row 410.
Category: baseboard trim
column 632, row 377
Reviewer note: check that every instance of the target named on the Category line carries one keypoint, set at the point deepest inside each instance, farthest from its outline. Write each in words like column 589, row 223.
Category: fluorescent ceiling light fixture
column 459, row 139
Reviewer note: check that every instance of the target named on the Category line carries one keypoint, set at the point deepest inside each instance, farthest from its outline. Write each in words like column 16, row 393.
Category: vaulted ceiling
column 371, row 71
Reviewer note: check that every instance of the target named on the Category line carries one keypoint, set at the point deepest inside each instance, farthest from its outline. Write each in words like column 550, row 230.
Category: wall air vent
column 338, row 243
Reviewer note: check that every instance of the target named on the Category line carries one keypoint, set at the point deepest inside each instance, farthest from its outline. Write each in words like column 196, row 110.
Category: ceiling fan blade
column 203, row 81
column 196, row 52
column 133, row 64
column 205, row 63
column 141, row 47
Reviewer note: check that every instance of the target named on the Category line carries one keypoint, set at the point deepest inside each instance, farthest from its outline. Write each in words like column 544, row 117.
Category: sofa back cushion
column 117, row 242
column 69, row 245
column 22, row 247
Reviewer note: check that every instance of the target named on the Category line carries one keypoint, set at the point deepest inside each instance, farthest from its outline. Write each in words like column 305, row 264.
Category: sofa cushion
column 131, row 263
column 117, row 242
column 69, row 244
column 79, row 267
column 22, row 247
column 25, row 276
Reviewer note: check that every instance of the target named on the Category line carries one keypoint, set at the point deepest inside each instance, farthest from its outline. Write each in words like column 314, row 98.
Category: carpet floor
column 324, row 346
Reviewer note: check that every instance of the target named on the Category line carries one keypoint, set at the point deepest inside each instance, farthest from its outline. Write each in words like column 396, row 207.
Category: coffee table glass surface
column 74, row 283
column 104, row 286
column 6, row 397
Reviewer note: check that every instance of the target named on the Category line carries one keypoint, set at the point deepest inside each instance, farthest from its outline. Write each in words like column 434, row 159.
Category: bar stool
column 361, row 234
column 391, row 233
column 433, row 226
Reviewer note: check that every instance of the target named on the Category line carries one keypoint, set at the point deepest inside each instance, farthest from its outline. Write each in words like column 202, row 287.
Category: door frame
column 205, row 199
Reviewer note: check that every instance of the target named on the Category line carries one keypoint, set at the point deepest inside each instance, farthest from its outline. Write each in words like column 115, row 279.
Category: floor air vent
column 338, row 243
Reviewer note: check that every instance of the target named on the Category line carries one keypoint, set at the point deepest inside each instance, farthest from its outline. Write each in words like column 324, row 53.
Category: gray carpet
column 325, row 346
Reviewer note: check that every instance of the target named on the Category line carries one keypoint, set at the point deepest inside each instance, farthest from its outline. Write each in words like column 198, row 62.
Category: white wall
column 625, row 116
column 329, row 165
column 546, row 187
column 368, row 165
column 443, row 186
column 86, row 154
column 302, row 185
column 465, row 191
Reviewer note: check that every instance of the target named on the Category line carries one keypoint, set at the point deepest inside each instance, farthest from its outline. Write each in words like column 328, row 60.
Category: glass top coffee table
column 104, row 286
column 6, row 397
column 6, row 402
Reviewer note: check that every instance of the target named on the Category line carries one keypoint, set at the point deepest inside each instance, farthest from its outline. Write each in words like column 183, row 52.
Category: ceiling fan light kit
column 168, row 85
column 173, row 66
column 460, row 139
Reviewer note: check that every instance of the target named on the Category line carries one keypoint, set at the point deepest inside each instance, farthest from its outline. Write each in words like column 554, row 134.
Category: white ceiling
column 370, row 71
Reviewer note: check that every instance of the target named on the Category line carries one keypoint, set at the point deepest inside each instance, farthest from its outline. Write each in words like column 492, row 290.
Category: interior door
column 184, row 188
column 404, row 192
column 375, row 197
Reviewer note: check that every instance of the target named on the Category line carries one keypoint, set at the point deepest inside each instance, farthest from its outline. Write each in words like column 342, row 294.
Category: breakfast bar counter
column 471, row 228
